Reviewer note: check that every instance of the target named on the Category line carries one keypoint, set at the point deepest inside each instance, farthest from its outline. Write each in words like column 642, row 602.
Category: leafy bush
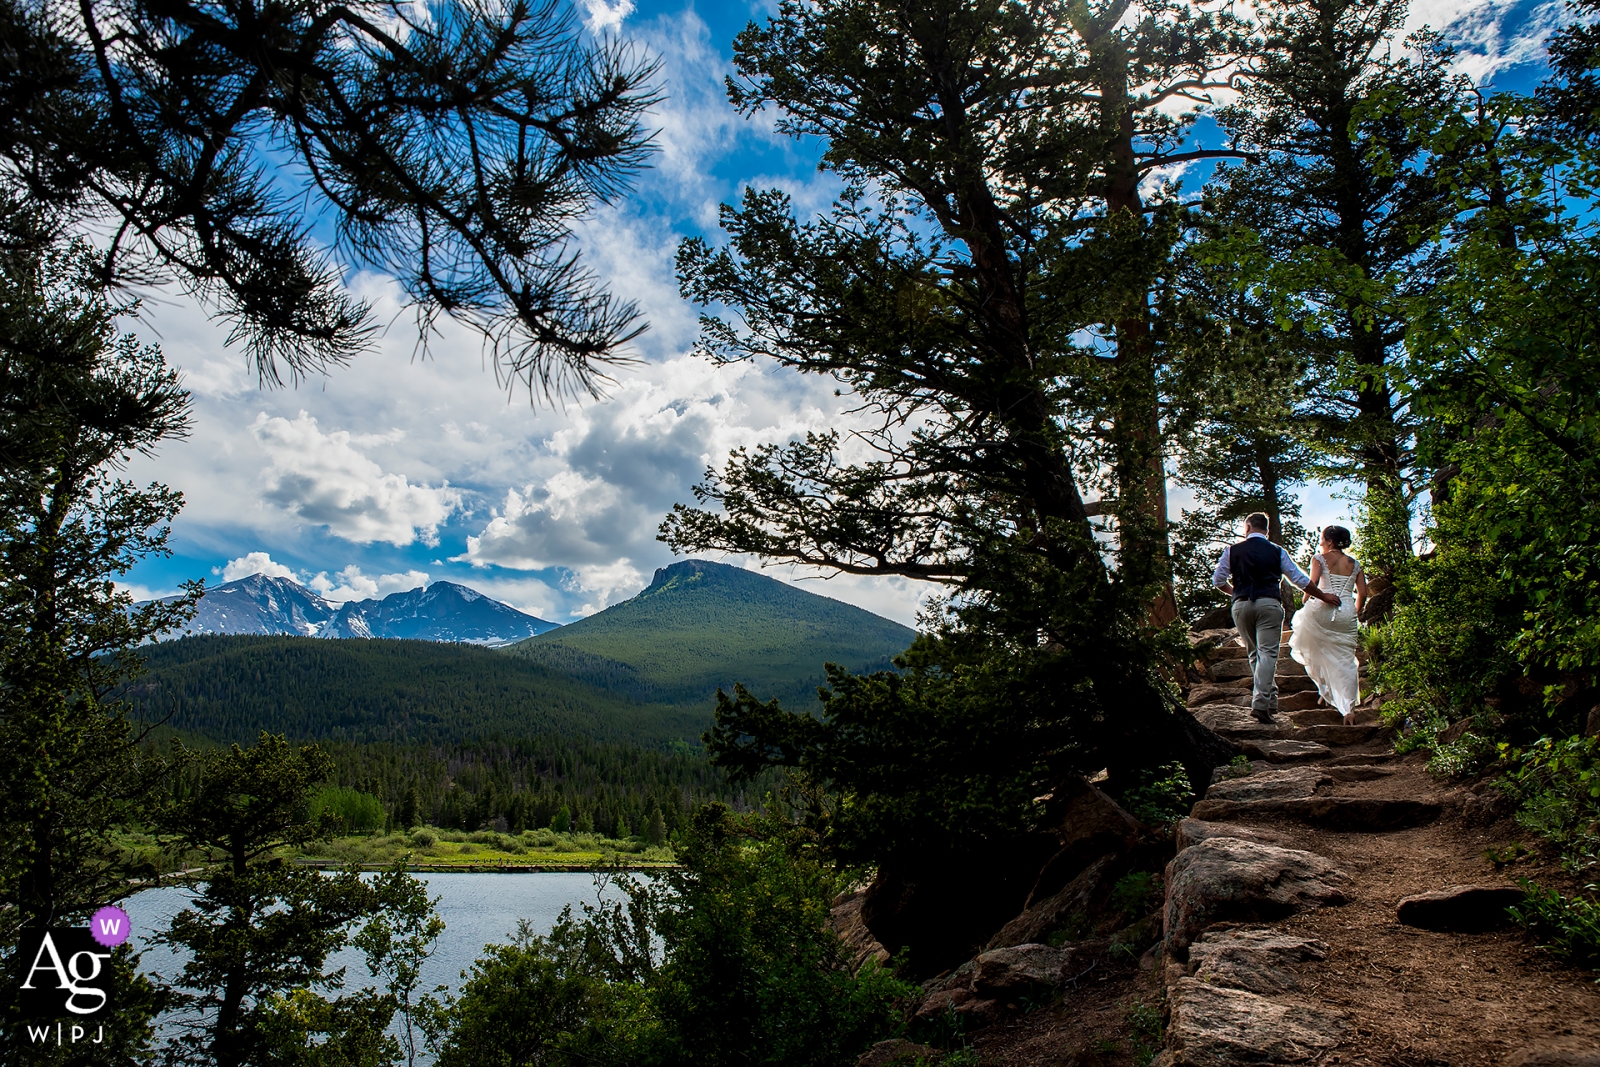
column 357, row 811
column 724, row 960
column 1162, row 796
column 1568, row 926
column 1462, row 757
column 424, row 839
column 1558, row 783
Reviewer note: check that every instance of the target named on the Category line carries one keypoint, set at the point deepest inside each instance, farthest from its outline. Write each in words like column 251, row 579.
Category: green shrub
column 1568, row 926
column 725, row 960
column 1558, row 783
column 356, row 810
column 1162, row 796
column 424, row 839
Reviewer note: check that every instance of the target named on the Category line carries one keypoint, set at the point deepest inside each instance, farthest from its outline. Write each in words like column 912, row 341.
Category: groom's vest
column 1256, row 568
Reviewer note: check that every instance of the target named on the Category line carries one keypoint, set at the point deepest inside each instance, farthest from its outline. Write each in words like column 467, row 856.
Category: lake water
column 478, row 909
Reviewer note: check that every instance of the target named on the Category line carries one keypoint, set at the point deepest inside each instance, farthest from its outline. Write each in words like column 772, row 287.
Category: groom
column 1254, row 565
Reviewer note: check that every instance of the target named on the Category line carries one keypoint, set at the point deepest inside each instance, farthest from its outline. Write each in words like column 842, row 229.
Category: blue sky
column 396, row 471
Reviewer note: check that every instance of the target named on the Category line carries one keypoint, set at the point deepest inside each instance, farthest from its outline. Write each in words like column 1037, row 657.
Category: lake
column 478, row 909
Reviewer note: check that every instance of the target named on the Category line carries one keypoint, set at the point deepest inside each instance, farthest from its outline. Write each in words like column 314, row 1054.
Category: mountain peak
column 685, row 570
column 443, row 611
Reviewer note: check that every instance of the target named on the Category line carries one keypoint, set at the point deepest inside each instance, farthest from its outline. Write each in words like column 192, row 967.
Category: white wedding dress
column 1324, row 639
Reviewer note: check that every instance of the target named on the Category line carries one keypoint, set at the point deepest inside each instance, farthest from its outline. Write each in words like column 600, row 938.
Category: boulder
column 1284, row 751
column 1040, row 918
column 1462, row 908
column 1193, row 831
column 1285, row 782
column 1591, row 726
column 1369, row 814
column 1087, row 825
column 1228, row 879
column 1258, row 959
column 1017, row 969
column 896, row 1050
column 1213, row 1026
column 844, row 919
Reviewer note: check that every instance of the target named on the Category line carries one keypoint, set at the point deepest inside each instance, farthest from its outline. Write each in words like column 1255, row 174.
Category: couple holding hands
column 1325, row 629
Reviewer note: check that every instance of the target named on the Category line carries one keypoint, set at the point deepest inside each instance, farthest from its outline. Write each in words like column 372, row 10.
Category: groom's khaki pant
column 1260, row 624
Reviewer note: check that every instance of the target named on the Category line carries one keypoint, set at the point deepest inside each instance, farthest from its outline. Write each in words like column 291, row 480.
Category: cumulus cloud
column 254, row 563
column 602, row 15
column 352, row 584
column 324, row 480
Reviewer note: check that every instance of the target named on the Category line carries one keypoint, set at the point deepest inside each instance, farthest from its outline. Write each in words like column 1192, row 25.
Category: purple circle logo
column 110, row 926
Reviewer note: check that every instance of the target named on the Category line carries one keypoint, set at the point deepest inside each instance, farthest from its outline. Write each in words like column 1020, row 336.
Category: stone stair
column 1238, row 984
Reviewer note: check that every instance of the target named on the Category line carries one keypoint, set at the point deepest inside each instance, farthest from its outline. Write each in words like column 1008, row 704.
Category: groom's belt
column 1274, row 595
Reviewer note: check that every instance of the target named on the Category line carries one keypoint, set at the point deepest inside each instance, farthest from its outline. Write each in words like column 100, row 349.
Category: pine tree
column 1340, row 203
column 261, row 929
column 450, row 149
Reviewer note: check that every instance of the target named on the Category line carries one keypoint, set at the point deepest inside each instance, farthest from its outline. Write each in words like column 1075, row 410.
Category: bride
column 1324, row 637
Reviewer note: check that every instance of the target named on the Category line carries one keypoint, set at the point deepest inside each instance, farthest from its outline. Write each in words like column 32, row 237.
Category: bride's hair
column 1337, row 536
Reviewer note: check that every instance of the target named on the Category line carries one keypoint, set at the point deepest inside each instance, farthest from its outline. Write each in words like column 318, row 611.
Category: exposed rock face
column 1040, row 918
column 1226, row 879
column 1018, row 969
column 1288, row 782
column 1465, row 908
column 1335, row 813
column 1214, row 1026
column 1193, row 831
column 1257, row 959
column 844, row 918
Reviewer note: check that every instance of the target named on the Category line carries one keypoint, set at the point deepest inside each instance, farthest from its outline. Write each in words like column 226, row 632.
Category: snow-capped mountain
column 443, row 611
column 261, row 605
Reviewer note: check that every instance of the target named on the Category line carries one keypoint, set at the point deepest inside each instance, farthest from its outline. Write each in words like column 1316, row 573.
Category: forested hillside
column 604, row 721
column 700, row 626
column 232, row 687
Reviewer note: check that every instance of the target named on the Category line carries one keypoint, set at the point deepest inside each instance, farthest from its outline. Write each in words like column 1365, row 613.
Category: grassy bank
column 433, row 849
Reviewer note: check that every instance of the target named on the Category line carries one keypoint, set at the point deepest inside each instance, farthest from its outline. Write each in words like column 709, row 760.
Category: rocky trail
column 1329, row 903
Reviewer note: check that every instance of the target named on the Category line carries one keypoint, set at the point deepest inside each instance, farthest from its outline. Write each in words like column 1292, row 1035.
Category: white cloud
column 352, row 584
column 322, row 479
column 603, row 15
column 1490, row 35
column 254, row 563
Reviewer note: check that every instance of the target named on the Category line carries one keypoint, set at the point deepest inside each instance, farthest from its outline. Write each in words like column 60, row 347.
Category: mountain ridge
column 699, row 626
column 263, row 605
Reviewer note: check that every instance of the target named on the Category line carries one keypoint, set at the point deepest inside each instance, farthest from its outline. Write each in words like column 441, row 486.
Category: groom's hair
column 1258, row 520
